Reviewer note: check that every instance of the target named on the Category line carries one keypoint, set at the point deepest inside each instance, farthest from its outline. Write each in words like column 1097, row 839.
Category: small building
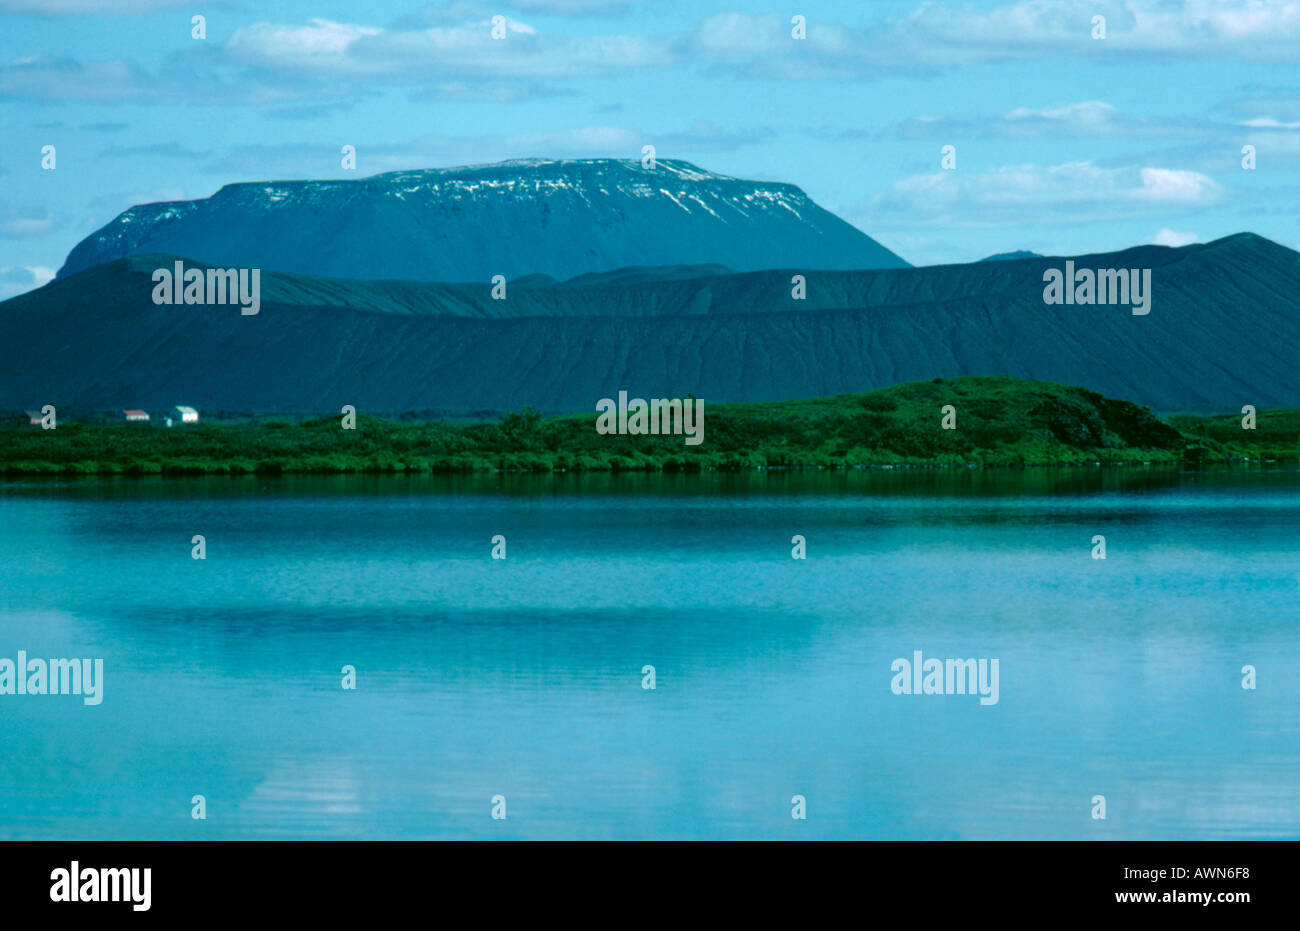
column 34, row 418
column 182, row 414
column 136, row 416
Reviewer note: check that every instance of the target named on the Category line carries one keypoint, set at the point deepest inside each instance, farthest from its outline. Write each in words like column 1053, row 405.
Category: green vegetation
column 1000, row 421
column 1276, row 436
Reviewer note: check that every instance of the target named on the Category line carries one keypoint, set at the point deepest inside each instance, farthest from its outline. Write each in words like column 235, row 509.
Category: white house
column 182, row 414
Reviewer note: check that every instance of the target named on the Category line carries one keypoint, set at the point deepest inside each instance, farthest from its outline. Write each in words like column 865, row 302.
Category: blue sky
column 1065, row 143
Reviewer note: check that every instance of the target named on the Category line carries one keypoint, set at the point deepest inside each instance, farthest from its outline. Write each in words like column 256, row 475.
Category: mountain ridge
column 1223, row 332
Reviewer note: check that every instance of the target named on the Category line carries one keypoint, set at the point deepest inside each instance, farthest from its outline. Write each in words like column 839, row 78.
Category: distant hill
column 1011, row 256
column 1223, row 331
column 519, row 218
column 999, row 421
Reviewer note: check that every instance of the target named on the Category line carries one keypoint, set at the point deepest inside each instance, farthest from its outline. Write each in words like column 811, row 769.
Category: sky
column 1064, row 142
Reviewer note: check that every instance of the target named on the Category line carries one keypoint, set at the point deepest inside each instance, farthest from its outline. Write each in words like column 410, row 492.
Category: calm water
column 523, row 677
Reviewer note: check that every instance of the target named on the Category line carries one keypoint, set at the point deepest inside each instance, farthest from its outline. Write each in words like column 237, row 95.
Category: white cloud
column 1072, row 191
column 1167, row 237
column 328, row 48
column 936, row 36
column 1169, row 186
column 333, row 63
column 320, row 43
column 327, row 61
column 1087, row 112
column 1250, row 28
column 1265, row 122
column 17, row 279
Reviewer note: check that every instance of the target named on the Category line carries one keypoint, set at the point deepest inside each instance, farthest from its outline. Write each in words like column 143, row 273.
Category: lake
column 523, row 677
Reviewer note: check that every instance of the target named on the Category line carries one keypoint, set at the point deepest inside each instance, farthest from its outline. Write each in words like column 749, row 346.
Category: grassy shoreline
column 1000, row 422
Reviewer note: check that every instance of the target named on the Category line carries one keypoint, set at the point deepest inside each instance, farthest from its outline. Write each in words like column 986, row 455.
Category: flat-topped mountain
column 534, row 217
